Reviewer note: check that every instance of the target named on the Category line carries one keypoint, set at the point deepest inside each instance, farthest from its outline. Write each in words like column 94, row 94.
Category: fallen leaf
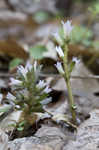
column 13, row 49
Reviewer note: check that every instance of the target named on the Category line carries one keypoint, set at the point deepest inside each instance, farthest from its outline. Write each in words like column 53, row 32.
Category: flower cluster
column 28, row 94
column 65, row 67
column 67, row 29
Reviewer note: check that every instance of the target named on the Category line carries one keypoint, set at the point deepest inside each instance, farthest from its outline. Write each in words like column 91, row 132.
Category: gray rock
column 52, row 138
column 17, row 143
column 31, row 6
column 87, row 134
column 35, row 147
column 3, row 141
column 46, row 138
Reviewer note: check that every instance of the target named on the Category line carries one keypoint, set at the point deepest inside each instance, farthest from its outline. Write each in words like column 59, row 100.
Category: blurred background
column 26, row 27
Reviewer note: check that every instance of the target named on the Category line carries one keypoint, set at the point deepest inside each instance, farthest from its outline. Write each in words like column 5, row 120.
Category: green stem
column 67, row 79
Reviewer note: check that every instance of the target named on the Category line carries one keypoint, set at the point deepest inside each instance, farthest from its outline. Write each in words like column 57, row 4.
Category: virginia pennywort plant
column 28, row 94
column 65, row 69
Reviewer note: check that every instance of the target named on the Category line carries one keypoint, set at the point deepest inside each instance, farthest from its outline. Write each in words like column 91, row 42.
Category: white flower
column 15, row 82
column 35, row 66
column 59, row 67
column 41, row 84
column 47, row 90
column 22, row 70
column 67, row 27
column 1, row 97
column 46, row 101
column 59, row 51
column 10, row 97
column 58, row 38
column 28, row 66
column 25, row 70
column 76, row 60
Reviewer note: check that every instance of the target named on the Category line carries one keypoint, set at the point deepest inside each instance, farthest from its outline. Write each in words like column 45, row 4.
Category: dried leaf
column 13, row 49
column 63, row 118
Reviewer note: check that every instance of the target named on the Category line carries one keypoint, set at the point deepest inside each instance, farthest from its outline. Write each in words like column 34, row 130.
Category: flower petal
column 76, row 60
column 41, row 84
column 10, row 96
column 67, row 27
column 47, row 90
column 22, row 70
column 59, row 67
column 58, row 38
column 15, row 82
column 46, row 101
column 59, row 51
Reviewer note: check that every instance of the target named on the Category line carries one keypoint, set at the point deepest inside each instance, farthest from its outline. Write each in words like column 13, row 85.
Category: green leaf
column 74, row 107
column 81, row 35
column 12, row 125
column 20, row 128
column 87, row 43
column 5, row 109
column 15, row 62
column 37, row 51
column 94, row 9
column 71, row 66
column 21, row 124
column 41, row 16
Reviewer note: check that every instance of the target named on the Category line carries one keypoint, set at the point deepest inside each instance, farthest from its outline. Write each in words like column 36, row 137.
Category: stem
column 67, row 79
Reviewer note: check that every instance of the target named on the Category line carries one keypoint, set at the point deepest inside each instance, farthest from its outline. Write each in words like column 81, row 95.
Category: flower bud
column 59, row 68
column 59, row 51
column 58, row 38
column 67, row 28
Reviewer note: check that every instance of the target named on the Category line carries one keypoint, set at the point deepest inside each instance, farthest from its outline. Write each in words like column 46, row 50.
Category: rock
column 3, row 5
column 87, row 134
column 52, row 138
column 17, row 143
column 2, row 83
column 46, row 138
column 86, row 89
column 50, row 131
column 16, row 26
column 32, row 6
column 3, row 140
column 35, row 147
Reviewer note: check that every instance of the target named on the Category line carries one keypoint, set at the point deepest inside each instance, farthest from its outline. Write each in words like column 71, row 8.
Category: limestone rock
column 87, row 134
column 3, row 141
